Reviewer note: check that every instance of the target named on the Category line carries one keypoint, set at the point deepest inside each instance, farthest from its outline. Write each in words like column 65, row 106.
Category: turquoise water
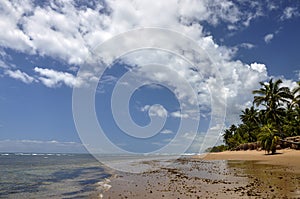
column 50, row 175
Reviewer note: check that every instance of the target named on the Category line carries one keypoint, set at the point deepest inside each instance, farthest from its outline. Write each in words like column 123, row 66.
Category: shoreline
column 229, row 174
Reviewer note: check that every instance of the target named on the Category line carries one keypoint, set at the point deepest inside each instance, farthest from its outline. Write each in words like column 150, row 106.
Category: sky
column 45, row 46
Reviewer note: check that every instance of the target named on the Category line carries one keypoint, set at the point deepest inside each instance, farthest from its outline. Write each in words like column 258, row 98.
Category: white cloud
column 63, row 30
column 52, row 78
column 272, row 5
column 166, row 131
column 247, row 45
column 3, row 57
column 288, row 83
column 298, row 74
column 197, row 146
column 178, row 114
column 11, row 14
column 289, row 12
column 155, row 110
column 261, row 68
column 38, row 146
column 145, row 108
column 239, row 79
column 3, row 64
column 17, row 74
column 268, row 38
column 210, row 11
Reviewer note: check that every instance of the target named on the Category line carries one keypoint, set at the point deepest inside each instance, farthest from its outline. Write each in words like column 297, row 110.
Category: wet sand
column 243, row 174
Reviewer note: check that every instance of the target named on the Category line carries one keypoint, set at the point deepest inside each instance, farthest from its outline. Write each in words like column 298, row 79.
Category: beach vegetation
column 269, row 138
column 217, row 148
column 274, row 115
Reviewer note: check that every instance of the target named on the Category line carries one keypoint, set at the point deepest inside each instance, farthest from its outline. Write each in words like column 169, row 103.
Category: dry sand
column 286, row 157
column 240, row 174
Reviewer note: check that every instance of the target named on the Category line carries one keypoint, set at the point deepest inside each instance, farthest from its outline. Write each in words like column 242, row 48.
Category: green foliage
column 275, row 113
column 217, row 148
column 268, row 138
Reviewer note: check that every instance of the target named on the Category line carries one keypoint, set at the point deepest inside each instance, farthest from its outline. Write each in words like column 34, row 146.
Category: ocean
column 28, row 175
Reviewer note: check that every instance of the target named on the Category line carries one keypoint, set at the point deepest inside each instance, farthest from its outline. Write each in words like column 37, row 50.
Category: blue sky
column 44, row 44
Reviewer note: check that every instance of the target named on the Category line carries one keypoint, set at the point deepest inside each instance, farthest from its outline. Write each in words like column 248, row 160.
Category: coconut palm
column 273, row 97
column 296, row 95
column 291, row 125
column 228, row 136
column 279, row 111
column 250, row 115
column 268, row 138
column 292, row 117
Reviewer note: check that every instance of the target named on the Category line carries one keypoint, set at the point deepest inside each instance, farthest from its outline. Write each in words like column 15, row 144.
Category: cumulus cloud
column 239, row 79
column 52, row 78
column 288, row 83
column 67, row 30
column 261, row 68
column 17, row 74
column 268, row 38
column 197, row 146
column 11, row 14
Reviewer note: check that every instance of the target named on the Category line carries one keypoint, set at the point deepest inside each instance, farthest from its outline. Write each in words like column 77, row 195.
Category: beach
column 230, row 174
column 287, row 157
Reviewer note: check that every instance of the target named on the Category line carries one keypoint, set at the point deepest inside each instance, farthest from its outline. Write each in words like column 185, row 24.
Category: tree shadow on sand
column 271, row 154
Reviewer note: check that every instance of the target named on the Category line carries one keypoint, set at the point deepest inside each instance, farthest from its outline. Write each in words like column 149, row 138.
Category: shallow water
column 50, row 175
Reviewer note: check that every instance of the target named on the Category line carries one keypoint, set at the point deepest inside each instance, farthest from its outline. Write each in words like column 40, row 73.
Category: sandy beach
column 287, row 157
column 230, row 174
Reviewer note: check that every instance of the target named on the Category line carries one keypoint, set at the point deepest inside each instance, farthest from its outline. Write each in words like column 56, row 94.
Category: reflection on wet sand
column 271, row 180
column 197, row 178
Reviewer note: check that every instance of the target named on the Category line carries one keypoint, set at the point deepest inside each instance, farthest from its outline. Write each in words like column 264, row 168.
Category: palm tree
column 272, row 97
column 296, row 95
column 268, row 138
column 228, row 135
column 250, row 116
column 261, row 117
column 292, row 117
column 251, row 123
column 247, row 133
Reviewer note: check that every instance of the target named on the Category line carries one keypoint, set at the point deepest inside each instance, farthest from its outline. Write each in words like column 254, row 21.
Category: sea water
column 30, row 175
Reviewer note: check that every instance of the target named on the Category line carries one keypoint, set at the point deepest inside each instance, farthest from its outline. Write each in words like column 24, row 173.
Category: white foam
column 103, row 185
